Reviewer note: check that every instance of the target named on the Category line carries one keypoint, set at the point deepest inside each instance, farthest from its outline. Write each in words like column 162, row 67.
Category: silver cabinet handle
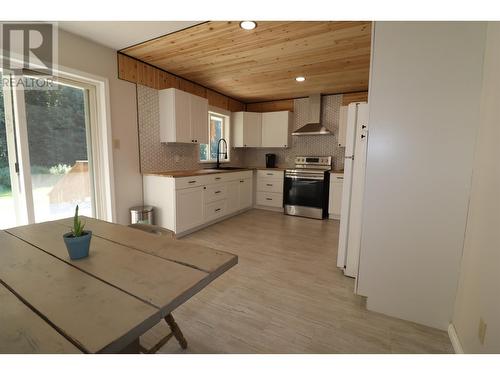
column 269, row 184
column 217, row 178
column 191, row 182
column 269, row 199
column 217, row 209
column 217, row 192
column 340, row 178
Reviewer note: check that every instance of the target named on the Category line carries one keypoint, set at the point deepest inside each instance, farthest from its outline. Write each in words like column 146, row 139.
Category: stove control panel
column 313, row 160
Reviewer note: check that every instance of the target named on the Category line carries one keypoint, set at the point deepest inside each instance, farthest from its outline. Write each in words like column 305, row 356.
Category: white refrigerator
column 353, row 189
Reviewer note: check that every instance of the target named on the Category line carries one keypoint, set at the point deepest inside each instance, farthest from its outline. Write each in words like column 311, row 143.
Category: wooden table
column 101, row 304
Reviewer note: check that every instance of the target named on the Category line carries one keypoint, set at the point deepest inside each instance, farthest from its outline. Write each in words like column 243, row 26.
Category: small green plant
column 77, row 229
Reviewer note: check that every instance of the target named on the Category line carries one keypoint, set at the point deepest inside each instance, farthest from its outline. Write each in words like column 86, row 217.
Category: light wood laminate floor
column 286, row 295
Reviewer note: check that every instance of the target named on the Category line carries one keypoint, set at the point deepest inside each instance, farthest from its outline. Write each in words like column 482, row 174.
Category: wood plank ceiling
column 261, row 64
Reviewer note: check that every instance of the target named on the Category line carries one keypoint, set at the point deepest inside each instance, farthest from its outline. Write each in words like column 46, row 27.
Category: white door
column 275, row 129
column 199, row 119
column 245, row 196
column 182, row 117
column 48, row 153
column 357, row 190
column 233, row 196
column 252, row 129
column 189, row 208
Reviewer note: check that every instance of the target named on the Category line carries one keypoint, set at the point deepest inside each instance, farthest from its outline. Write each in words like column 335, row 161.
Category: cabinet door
column 341, row 138
column 337, row 198
column 246, row 194
column 252, row 129
column 189, row 208
column 199, row 119
column 275, row 129
column 233, row 196
column 182, row 117
column 237, row 129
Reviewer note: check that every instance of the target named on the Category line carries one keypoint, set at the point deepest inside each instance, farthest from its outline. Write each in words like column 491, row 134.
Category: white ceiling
column 121, row 34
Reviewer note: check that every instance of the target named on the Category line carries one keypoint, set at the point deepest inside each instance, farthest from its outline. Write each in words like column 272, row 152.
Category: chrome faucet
column 219, row 153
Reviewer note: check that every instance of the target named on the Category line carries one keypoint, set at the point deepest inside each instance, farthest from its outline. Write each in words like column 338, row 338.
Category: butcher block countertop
column 193, row 172
column 202, row 172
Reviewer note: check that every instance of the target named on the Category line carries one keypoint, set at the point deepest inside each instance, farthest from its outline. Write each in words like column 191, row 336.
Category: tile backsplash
column 156, row 156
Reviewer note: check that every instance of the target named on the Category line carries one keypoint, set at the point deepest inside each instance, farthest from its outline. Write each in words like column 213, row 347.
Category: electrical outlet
column 482, row 330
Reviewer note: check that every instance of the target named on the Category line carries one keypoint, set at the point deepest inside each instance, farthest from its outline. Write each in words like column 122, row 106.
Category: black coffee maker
column 270, row 160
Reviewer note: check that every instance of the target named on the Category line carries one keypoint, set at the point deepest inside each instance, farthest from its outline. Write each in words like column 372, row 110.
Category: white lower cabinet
column 233, row 196
column 189, row 208
column 269, row 199
column 215, row 210
column 188, row 203
column 335, row 198
column 214, row 193
column 245, row 193
column 269, row 189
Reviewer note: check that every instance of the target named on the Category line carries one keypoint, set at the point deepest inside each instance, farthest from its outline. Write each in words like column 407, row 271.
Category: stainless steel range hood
column 313, row 126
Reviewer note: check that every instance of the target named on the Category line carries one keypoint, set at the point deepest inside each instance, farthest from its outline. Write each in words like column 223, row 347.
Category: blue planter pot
column 78, row 247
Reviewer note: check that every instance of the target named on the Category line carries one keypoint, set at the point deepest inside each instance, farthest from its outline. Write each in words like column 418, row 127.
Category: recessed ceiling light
column 248, row 25
column 300, row 79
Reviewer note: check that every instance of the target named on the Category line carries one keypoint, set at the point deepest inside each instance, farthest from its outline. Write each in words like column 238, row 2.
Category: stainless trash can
column 142, row 215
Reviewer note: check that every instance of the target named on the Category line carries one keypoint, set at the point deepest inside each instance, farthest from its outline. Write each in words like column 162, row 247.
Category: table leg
column 176, row 331
column 133, row 348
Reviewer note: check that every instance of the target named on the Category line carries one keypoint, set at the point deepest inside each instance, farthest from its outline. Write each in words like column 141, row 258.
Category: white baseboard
column 455, row 341
column 268, row 208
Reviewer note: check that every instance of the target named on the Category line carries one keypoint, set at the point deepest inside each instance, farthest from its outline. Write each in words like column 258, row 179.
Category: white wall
column 424, row 108
column 478, row 295
column 78, row 53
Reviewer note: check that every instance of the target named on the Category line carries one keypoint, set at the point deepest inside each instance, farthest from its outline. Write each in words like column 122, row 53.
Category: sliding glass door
column 53, row 161
column 8, row 204
column 59, row 155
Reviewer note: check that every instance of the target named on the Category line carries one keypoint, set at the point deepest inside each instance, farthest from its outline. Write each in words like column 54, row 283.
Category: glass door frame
column 98, row 147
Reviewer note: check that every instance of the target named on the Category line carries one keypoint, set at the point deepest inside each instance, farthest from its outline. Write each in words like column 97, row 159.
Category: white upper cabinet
column 199, row 119
column 247, row 129
column 276, row 129
column 183, row 117
column 267, row 129
column 341, row 139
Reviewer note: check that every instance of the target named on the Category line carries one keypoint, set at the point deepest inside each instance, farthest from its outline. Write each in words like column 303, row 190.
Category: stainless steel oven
column 307, row 187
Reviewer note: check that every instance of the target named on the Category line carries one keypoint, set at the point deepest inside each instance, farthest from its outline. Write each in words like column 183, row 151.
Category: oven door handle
column 296, row 177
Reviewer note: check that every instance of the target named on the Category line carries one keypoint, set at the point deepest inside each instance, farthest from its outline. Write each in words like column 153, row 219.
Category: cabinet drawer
column 214, row 193
column 337, row 177
column 215, row 210
column 187, row 182
column 269, row 173
column 270, row 185
column 217, row 178
column 269, row 199
column 233, row 176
